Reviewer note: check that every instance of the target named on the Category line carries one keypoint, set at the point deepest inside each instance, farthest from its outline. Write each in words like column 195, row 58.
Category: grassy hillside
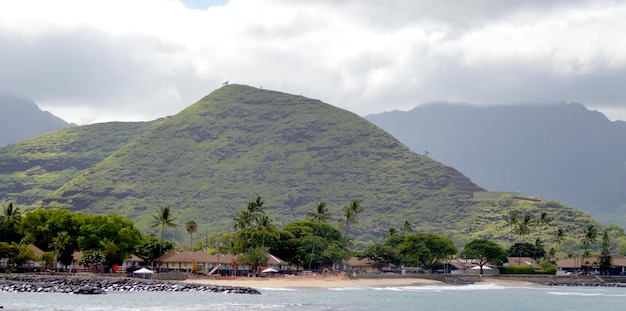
column 238, row 142
column 32, row 169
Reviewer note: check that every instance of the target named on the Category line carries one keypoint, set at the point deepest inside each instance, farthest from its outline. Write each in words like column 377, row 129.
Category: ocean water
column 466, row 297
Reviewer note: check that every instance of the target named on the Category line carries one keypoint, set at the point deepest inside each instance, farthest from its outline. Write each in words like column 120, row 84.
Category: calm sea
column 468, row 297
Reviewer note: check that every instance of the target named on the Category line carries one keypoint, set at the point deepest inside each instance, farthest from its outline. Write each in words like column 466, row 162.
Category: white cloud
column 89, row 61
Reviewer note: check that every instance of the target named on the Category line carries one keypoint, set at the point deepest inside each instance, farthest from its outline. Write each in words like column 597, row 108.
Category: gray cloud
column 365, row 56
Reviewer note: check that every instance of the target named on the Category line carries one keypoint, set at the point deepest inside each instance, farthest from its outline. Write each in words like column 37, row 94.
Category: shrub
column 527, row 270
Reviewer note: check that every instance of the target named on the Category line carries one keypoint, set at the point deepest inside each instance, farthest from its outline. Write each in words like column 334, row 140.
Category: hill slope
column 32, row 169
column 561, row 151
column 240, row 142
column 21, row 119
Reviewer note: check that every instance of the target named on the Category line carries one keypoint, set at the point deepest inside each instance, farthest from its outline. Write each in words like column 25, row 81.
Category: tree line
column 310, row 243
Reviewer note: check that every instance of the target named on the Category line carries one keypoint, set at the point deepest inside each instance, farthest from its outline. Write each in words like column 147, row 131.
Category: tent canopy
column 144, row 271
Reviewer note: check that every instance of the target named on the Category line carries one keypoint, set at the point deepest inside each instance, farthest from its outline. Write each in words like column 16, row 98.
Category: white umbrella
column 269, row 270
column 143, row 272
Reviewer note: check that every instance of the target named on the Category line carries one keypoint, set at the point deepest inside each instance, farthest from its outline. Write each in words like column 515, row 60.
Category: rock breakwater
column 101, row 285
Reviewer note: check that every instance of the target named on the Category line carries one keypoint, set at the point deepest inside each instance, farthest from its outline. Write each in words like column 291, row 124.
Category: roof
column 577, row 261
column 38, row 252
column 134, row 258
column 184, row 256
column 523, row 262
column 273, row 260
column 200, row 256
column 356, row 262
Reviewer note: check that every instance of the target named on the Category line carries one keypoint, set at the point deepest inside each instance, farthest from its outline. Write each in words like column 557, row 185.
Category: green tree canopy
column 150, row 247
column 383, row 255
column 52, row 230
column 296, row 243
column 534, row 251
column 426, row 249
column 484, row 251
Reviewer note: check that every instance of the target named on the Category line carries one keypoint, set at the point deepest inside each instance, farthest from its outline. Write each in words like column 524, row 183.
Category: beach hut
column 143, row 273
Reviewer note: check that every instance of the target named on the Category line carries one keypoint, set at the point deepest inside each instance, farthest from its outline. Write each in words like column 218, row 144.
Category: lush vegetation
column 104, row 239
column 34, row 168
column 292, row 149
column 240, row 141
column 311, row 243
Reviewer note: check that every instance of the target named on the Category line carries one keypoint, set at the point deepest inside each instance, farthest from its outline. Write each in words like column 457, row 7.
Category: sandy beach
column 335, row 282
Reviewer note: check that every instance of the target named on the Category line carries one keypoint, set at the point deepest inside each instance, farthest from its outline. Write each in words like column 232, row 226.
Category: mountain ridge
column 22, row 119
column 239, row 142
column 559, row 151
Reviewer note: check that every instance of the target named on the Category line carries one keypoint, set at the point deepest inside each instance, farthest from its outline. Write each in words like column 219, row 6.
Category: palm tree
column 406, row 228
column 265, row 225
column 512, row 221
column 191, row 227
column 541, row 221
column 319, row 214
column 392, row 231
column 256, row 207
column 163, row 217
column 559, row 237
column 253, row 212
column 10, row 215
column 589, row 237
column 523, row 228
column 350, row 212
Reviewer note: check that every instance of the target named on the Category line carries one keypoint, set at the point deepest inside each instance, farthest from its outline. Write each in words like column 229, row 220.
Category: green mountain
column 210, row 160
column 563, row 152
column 32, row 169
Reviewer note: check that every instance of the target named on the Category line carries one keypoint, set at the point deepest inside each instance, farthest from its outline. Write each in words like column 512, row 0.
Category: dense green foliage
column 527, row 270
column 64, row 232
column 483, row 252
column 33, row 169
column 17, row 254
column 526, row 250
column 294, row 150
column 151, row 246
column 425, row 250
column 239, row 141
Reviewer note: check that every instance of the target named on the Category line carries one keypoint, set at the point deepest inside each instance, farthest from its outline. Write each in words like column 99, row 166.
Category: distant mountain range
column 239, row 142
column 558, row 151
column 21, row 119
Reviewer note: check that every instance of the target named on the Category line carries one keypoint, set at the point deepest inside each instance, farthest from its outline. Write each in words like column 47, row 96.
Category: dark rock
column 101, row 285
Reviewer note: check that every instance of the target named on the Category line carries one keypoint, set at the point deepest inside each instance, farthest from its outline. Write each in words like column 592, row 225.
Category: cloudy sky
column 91, row 61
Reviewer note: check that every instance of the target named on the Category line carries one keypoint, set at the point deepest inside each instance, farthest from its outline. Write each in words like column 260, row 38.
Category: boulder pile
column 101, row 285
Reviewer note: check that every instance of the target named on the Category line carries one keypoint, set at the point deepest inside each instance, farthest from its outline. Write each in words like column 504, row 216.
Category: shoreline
column 345, row 282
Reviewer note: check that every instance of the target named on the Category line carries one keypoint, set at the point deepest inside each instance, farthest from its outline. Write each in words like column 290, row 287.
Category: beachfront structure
column 469, row 266
column 523, row 262
column 128, row 265
column 184, row 261
column 360, row 266
column 578, row 264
